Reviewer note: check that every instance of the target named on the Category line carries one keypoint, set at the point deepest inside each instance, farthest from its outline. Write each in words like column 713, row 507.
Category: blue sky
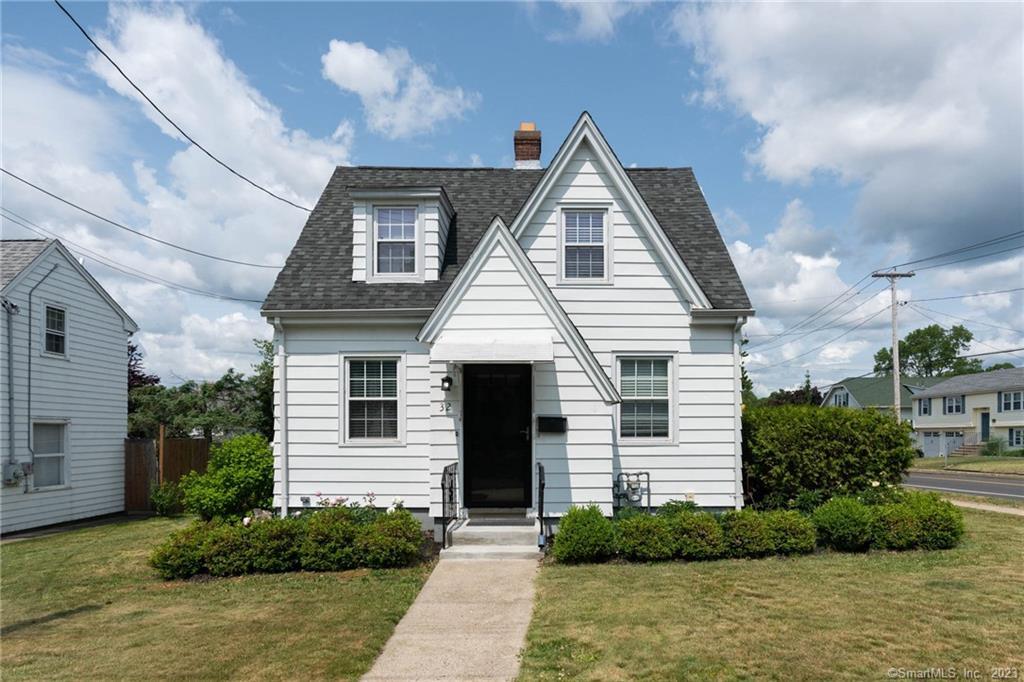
column 825, row 146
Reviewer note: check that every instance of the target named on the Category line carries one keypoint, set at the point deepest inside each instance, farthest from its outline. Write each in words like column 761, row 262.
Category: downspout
column 28, row 353
column 737, row 343
column 282, row 431
column 11, row 309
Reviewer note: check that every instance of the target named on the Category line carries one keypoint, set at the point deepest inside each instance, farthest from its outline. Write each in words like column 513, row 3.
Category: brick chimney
column 527, row 145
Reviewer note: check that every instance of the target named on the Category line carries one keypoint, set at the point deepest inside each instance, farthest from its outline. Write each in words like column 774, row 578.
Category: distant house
column 63, row 388
column 965, row 411
column 875, row 393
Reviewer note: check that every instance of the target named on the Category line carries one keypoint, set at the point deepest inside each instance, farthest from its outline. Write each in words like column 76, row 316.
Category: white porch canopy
column 510, row 346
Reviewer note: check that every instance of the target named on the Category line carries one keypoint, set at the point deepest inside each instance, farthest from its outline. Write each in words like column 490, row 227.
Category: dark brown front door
column 497, row 429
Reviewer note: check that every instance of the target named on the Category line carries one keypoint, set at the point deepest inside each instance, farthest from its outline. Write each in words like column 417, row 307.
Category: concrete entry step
column 477, row 532
column 491, row 552
column 500, row 517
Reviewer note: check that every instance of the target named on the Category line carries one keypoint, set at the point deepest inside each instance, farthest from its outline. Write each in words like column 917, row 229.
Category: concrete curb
column 980, row 506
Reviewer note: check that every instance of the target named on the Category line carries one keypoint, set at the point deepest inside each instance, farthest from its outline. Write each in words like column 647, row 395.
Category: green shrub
column 227, row 550
column 697, row 537
column 166, row 498
column 894, row 526
column 791, row 532
column 275, row 544
column 240, row 478
column 843, row 523
column 584, row 535
column 673, row 507
column 941, row 523
column 390, row 540
column 623, row 513
column 882, row 494
column 790, row 450
column 181, row 554
column 645, row 538
column 329, row 542
column 746, row 534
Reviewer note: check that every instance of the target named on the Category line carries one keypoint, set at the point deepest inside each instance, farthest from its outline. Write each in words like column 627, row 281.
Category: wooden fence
column 148, row 462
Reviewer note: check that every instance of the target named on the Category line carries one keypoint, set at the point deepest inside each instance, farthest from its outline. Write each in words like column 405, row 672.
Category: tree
column 931, row 351
column 805, row 395
column 262, row 383
column 1000, row 365
column 137, row 375
column 748, row 398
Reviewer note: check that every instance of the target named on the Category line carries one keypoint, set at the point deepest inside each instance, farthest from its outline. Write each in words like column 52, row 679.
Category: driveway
column 988, row 485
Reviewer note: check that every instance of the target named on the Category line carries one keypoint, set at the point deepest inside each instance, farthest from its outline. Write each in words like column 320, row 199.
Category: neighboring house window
column 924, row 407
column 954, row 404
column 954, row 434
column 56, row 331
column 841, row 399
column 48, row 448
column 372, row 399
column 1016, row 438
column 1012, row 400
column 583, row 239
column 645, row 386
column 396, row 241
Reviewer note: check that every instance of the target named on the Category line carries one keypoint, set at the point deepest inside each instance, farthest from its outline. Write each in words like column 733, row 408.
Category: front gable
column 500, row 298
column 586, row 135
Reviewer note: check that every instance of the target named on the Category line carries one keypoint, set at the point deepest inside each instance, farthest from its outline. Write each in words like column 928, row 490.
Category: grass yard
column 818, row 617
column 85, row 605
column 992, row 465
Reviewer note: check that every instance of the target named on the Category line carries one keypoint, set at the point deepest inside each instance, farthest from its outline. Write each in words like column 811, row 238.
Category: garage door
column 931, row 443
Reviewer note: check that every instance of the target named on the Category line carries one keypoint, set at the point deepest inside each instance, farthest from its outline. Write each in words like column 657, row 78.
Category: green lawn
column 994, row 465
column 819, row 617
column 84, row 605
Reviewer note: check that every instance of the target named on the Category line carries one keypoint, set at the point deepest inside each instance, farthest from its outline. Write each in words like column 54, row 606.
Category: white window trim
column 1015, row 437
column 609, row 242
column 66, row 453
column 42, row 333
column 372, row 276
column 921, row 410
column 1009, row 397
column 950, row 401
column 343, row 437
column 673, row 397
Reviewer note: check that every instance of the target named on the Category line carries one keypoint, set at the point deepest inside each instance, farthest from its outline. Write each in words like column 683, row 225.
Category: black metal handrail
column 542, row 535
column 449, row 499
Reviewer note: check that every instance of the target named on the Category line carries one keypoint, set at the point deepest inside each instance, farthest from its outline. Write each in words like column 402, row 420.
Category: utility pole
column 892, row 276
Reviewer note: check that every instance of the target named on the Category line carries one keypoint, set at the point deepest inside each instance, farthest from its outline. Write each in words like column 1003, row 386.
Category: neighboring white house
column 875, row 393
column 971, row 409
column 584, row 317
column 63, row 388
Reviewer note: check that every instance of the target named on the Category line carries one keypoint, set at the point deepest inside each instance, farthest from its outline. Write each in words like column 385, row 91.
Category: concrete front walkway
column 468, row 623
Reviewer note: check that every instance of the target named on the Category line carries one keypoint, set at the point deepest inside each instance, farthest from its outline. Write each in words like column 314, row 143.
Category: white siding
column 641, row 312
column 318, row 461
column 88, row 389
column 432, row 218
column 579, row 463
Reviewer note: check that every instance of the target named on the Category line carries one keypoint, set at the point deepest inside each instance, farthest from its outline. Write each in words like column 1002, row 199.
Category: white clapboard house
column 64, row 388
column 513, row 337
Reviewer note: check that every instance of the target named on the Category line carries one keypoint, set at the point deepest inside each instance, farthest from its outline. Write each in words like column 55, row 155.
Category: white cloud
column 921, row 104
column 204, row 347
column 399, row 96
column 595, row 20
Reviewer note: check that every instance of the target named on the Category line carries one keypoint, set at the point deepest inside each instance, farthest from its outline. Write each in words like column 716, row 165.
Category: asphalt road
column 1006, row 487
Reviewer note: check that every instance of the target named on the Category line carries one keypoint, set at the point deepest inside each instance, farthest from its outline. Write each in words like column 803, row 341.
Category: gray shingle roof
column 318, row 272
column 982, row 382
column 877, row 391
column 16, row 254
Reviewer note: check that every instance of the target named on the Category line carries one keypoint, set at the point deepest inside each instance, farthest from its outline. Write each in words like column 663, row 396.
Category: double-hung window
column 1016, row 438
column 584, row 241
column 371, row 399
column 645, row 385
column 1012, row 400
column 55, row 334
column 954, row 404
column 48, row 453
column 924, row 407
column 395, row 241
column 841, row 399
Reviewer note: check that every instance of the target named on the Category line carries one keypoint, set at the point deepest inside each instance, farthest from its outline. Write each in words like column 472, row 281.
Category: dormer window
column 396, row 240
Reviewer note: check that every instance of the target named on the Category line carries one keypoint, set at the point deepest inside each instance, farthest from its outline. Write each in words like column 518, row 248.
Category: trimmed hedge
column 584, row 536
column 941, row 522
column 646, row 538
column 328, row 540
column 698, row 536
column 844, row 523
column 894, row 526
column 747, row 534
column 793, row 452
column 791, row 532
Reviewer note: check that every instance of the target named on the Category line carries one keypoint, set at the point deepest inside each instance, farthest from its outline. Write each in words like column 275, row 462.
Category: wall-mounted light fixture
column 446, row 384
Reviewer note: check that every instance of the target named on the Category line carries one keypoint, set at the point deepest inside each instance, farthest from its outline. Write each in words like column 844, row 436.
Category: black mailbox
column 551, row 424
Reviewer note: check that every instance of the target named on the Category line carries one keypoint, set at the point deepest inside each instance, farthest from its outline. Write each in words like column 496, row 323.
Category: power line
column 962, row 249
column 951, row 298
column 926, row 315
column 133, row 230
column 808, row 352
column 964, row 260
column 994, row 352
column 168, row 118
column 124, row 269
column 964, row 319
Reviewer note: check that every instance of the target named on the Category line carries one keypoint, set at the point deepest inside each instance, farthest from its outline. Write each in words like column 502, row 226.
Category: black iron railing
column 449, row 499
column 542, row 535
